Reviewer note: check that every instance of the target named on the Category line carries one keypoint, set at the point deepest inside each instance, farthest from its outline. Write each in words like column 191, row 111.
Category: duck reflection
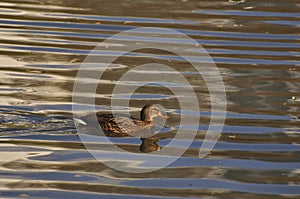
column 149, row 145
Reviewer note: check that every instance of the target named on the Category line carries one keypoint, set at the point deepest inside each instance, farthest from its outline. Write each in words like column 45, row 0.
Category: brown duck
column 120, row 126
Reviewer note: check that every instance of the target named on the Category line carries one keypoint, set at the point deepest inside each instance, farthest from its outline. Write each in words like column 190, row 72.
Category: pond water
column 255, row 46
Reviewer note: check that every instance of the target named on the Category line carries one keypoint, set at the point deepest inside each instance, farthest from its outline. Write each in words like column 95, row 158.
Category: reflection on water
column 255, row 46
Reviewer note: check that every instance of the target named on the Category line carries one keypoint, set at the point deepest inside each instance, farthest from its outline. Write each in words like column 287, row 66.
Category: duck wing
column 109, row 126
column 120, row 125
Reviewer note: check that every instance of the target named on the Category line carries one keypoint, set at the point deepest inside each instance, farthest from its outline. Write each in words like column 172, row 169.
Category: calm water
column 255, row 45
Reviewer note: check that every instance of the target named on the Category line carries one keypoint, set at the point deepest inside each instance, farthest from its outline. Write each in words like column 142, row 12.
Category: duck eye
column 156, row 110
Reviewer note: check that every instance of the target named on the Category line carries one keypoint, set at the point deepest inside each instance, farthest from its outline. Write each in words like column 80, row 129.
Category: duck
column 122, row 125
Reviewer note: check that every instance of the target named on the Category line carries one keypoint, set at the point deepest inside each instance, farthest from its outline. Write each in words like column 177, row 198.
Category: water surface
column 255, row 45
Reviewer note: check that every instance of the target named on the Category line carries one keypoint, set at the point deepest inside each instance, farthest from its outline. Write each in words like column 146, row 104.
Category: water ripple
column 255, row 46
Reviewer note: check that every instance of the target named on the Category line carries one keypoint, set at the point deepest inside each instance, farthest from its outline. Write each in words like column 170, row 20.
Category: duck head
column 151, row 111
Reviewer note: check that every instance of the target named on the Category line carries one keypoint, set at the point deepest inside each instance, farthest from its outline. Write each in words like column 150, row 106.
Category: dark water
column 255, row 45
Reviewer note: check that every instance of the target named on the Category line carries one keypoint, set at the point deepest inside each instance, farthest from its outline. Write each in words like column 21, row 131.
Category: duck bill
column 165, row 116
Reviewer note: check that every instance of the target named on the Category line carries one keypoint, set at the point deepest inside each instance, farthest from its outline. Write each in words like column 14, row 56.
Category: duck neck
column 148, row 119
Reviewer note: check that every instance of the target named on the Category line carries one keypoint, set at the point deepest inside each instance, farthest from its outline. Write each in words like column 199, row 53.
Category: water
column 255, row 45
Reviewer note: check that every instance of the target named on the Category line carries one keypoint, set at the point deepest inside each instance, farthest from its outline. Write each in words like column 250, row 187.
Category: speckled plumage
column 121, row 125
